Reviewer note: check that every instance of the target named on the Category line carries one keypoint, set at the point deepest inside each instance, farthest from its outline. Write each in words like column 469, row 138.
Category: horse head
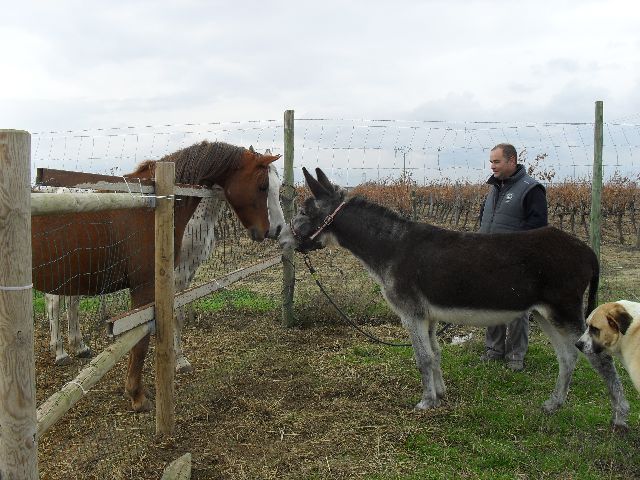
column 246, row 190
column 276, row 215
column 307, row 230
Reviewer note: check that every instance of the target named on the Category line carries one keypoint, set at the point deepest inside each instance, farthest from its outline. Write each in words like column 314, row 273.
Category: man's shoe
column 515, row 365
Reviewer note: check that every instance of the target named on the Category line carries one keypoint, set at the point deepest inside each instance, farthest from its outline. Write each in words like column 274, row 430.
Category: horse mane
column 200, row 164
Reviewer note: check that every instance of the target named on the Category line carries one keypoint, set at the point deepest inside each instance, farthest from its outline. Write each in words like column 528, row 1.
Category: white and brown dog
column 614, row 328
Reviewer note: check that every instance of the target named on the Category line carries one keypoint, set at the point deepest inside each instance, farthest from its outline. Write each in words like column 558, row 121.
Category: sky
column 69, row 65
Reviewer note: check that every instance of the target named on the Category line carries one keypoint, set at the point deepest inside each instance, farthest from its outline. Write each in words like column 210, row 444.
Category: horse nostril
column 278, row 230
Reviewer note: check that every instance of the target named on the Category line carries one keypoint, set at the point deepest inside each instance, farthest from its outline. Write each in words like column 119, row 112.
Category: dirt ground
column 264, row 401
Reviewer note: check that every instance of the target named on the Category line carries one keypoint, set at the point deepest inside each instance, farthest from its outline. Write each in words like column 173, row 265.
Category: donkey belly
column 474, row 317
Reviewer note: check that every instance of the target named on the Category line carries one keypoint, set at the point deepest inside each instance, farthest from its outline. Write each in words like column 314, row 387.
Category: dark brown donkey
column 103, row 252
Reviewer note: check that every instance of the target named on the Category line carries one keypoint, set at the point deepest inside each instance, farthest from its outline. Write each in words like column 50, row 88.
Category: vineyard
column 457, row 204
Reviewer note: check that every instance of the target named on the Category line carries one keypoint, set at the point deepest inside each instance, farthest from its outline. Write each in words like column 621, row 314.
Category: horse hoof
column 142, row 406
column 63, row 360
column 85, row 353
column 184, row 368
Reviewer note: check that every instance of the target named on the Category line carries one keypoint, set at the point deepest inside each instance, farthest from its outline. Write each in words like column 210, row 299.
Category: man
column 515, row 202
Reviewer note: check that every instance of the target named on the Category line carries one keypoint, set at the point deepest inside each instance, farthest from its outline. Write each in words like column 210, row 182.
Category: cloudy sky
column 81, row 64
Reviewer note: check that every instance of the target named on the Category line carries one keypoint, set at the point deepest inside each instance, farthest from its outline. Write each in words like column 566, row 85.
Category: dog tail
column 593, row 286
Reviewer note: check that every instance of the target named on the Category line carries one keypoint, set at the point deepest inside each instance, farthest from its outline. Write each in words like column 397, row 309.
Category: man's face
column 501, row 166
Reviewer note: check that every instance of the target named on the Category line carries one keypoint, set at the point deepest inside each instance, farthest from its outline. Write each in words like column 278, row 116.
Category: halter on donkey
column 103, row 252
column 429, row 275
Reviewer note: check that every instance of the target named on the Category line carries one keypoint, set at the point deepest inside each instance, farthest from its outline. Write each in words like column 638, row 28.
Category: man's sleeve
column 535, row 207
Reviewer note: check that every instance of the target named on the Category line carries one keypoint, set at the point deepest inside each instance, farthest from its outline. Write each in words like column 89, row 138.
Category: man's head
column 503, row 160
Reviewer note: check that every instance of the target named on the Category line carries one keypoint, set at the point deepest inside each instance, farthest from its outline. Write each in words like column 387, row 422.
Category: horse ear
column 324, row 181
column 251, row 149
column 316, row 188
column 265, row 160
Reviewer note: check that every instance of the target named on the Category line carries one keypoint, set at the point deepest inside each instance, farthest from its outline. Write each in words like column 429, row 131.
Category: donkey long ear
column 324, row 181
column 316, row 188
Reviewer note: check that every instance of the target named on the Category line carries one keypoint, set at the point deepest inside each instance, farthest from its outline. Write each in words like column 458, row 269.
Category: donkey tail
column 593, row 286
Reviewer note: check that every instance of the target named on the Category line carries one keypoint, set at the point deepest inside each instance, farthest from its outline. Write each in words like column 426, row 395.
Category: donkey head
column 311, row 227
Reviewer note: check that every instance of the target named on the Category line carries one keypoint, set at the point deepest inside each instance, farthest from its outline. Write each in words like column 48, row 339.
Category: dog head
column 605, row 326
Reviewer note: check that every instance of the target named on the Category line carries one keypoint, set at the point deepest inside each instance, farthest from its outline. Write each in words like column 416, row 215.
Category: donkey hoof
column 184, row 367
column 142, row 406
column 427, row 404
column 620, row 428
column 85, row 353
column 63, row 360
column 551, row 406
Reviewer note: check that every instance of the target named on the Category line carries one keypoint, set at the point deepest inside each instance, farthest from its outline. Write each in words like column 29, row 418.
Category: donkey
column 428, row 275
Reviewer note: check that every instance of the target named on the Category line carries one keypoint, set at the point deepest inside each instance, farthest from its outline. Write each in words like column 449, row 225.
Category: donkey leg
column 425, row 360
column 567, row 355
column 182, row 364
column 604, row 365
column 134, row 386
column 74, row 335
column 437, row 354
column 52, row 303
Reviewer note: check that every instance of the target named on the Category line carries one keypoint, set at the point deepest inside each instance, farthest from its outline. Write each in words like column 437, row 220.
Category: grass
column 237, row 299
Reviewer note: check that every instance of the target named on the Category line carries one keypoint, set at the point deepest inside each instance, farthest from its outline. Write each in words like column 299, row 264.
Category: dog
column 614, row 328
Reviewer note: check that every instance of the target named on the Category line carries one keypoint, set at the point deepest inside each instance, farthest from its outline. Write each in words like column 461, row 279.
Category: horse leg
column 74, row 335
column 52, row 304
column 567, row 354
column 134, row 385
column 182, row 364
column 426, row 361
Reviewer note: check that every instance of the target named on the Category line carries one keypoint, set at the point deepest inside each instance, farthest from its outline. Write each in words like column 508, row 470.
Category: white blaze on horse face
column 276, row 215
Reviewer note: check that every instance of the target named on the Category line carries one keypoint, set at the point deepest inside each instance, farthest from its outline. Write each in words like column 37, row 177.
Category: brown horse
column 103, row 252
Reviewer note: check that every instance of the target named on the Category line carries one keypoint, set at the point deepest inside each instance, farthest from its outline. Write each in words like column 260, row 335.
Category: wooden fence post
column 164, row 299
column 596, row 183
column 18, row 443
column 288, row 199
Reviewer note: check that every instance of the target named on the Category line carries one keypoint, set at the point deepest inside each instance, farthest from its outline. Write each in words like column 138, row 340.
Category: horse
column 197, row 244
column 94, row 253
column 429, row 274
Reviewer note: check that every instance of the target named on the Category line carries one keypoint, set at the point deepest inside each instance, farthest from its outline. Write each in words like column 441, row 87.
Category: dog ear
column 619, row 319
column 317, row 190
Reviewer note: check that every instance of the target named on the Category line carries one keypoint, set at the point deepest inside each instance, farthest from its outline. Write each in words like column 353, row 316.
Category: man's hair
column 508, row 150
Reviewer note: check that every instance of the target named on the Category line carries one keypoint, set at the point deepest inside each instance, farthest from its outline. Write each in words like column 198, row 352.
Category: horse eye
column 263, row 188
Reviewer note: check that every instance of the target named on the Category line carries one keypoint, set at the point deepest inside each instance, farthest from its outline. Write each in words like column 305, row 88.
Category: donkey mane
column 194, row 163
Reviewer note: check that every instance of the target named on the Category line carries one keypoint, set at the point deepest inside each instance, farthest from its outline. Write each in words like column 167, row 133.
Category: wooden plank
column 596, row 183
column 164, row 299
column 179, row 469
column 125, row 322
column 91, row 181
column 18, row 445
column 60, row 402
column 60, row 203
column 288, row 198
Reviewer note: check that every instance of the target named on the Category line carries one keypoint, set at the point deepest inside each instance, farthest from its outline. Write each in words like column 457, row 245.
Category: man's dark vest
column 504, row 206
